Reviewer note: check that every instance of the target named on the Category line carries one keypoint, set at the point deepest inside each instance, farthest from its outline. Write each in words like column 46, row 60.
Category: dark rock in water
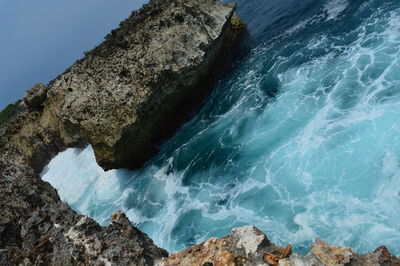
column 123, row 98
column 35, row 96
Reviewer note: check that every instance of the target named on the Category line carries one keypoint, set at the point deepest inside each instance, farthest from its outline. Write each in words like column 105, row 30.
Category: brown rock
column 35, row 96
column 243, row 246
column 331, row 255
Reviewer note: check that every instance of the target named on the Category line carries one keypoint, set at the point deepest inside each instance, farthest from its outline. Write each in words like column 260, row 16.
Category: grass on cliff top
column 9, row 111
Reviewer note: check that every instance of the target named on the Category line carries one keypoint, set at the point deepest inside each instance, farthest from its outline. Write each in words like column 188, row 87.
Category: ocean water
column 300, row 138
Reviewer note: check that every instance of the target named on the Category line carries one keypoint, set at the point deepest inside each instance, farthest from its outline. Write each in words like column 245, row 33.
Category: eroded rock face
column 37, row 229
column 331, row 255
column 249, row 246
column 130, row 92
column 133, row 90
column 123, row 97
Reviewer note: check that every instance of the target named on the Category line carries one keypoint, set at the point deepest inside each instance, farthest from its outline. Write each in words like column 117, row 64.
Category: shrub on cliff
column 9, row 111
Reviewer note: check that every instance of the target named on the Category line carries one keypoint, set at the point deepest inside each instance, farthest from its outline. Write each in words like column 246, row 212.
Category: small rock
column 35, row 96
column 97, row 245
column 249, row 238
column 300, row 260
column 331, row 255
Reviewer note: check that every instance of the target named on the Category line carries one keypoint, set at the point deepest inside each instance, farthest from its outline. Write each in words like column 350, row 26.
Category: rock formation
column 35, row 97
column 123, row 97
column 249, row 246
column 36, row 228
column 133, row 90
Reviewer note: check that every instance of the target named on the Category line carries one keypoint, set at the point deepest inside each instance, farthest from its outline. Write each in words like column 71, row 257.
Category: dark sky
column 39, row 39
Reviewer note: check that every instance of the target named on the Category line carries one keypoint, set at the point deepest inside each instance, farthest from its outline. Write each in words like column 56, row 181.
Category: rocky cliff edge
column 132, row 91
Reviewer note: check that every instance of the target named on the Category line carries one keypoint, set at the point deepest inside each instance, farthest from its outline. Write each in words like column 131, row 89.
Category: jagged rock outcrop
column 249, row 246
column 124, row 97
column 134, row 89
column 35, row 96
column 36, row 228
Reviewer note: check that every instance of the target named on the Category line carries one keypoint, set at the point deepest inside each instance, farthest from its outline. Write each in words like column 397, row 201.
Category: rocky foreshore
column 247, row 245
column 125, row 97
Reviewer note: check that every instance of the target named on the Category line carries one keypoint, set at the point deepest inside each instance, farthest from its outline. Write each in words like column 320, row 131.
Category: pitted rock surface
column 130, row 92
column 247, row 245
column 37, row 229
column 35, row 96
column 243, row 246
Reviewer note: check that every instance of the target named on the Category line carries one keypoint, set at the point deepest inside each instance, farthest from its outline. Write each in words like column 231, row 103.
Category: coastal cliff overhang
column 135, row 89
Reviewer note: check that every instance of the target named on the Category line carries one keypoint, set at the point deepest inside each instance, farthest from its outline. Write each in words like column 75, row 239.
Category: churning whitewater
column 299, row 138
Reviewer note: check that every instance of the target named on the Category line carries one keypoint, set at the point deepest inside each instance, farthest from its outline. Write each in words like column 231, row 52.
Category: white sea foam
column 334, row 8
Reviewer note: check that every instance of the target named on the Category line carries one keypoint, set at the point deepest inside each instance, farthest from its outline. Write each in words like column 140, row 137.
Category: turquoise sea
column 300, row 138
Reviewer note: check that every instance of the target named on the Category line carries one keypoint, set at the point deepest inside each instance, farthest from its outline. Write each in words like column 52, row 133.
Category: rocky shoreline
column 247, row 245
column 124, row 98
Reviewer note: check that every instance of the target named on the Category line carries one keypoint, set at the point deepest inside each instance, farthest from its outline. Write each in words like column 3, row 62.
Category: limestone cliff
column 123, row 97
column 133, row 90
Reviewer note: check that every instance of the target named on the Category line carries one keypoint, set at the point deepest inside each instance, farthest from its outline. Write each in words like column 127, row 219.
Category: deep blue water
column 300, row 138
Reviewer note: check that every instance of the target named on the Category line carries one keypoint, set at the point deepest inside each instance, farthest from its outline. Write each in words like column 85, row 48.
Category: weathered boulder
column 35, row 96
column 331, row 255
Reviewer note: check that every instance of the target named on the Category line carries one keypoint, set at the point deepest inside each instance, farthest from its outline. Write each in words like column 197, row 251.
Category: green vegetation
column 9, row 111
